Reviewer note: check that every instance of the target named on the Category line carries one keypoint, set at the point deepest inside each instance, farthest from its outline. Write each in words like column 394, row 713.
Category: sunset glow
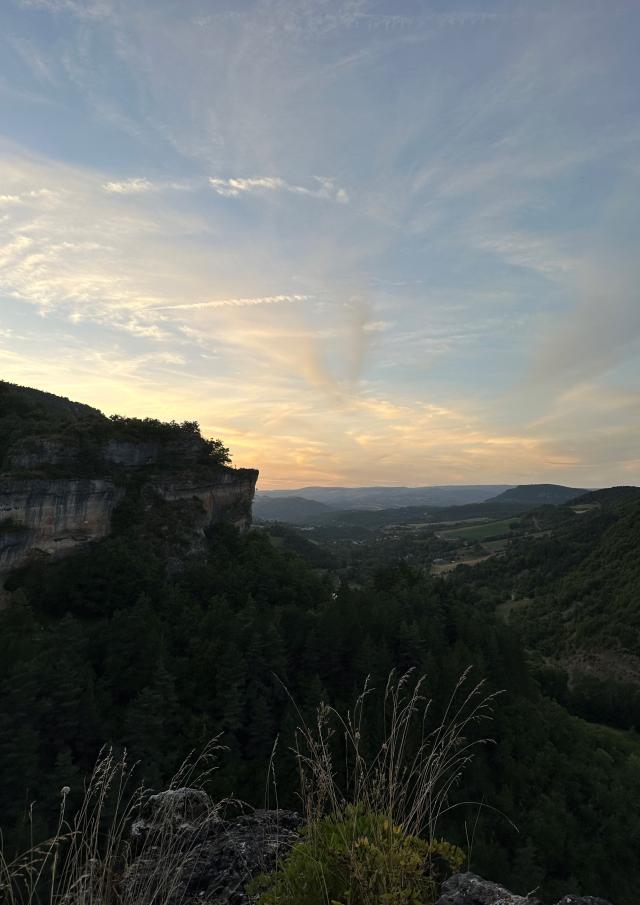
column 361, row 242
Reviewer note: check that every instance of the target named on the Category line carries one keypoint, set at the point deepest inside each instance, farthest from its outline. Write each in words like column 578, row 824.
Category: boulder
column 190, row 854
column 469, row 889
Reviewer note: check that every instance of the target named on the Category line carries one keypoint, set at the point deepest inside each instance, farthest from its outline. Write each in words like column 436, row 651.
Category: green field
column 479, row 532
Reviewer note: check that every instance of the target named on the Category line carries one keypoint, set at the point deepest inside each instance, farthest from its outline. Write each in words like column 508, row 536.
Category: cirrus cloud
column 322, row 187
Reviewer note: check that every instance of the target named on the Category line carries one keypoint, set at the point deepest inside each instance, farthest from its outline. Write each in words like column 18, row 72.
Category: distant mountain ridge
column 539, row 494
column 364, row 505
column 390, row 497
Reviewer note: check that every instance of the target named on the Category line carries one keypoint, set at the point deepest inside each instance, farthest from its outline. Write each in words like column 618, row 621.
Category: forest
column 162, row 664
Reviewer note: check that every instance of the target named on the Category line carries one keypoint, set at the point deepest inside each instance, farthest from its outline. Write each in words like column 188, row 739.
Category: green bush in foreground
column 359, row 859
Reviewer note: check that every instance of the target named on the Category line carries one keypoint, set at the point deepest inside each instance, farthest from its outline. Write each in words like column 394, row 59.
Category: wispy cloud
column 321, row 188
column 134, row 186
column 235, row 302
column 140, row 185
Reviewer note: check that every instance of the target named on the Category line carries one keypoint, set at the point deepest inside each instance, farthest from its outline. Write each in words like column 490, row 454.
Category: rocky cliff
column 65, row 468
column 41, row 517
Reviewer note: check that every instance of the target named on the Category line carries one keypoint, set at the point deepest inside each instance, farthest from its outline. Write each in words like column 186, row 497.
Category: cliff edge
column 65, row 469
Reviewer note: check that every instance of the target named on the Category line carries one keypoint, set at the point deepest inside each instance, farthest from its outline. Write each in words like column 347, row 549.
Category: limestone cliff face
column 33, row 453
column 65, row 468
column 225, row 497
column 51, row 517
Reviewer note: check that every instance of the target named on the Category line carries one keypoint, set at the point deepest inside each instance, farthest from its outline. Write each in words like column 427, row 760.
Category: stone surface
column 182, row 451
column 225, row 497
column 469, row 889
column 37, row 453
column 32, row 453
column 52, row 517
column 175, row 810
column 582, row 900
column 210, row 860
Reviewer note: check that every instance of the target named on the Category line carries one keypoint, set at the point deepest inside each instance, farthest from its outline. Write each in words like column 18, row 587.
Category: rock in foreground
column 469, row 889
column 186, row 847
column 211, row 861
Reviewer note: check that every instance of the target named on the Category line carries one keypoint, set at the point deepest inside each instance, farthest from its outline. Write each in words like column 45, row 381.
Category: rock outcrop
column 213, row 860
column 469, row 889
column 225, row 496
column 59, row 490
column 69, row 452
column 51, row 517
column 41, row 517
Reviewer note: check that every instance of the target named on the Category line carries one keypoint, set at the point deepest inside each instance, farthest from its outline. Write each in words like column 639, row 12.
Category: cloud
column 134, row 186
column 236, row 303
column 140, row 185
column 25, row 197
column 232, row 188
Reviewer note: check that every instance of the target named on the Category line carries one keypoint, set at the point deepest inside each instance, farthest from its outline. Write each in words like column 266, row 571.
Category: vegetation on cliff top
column 30, row 417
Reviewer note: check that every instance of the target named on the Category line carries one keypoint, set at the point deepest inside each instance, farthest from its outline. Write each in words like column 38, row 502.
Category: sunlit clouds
column 362, row 243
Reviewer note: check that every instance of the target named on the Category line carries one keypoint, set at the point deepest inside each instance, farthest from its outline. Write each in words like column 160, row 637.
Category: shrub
column 359, row 858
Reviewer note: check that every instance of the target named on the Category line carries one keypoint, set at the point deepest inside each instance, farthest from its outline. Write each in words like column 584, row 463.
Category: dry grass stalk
column 406, row 780
column 93, row 860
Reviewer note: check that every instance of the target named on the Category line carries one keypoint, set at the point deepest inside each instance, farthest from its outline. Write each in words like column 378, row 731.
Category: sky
column 362, row 242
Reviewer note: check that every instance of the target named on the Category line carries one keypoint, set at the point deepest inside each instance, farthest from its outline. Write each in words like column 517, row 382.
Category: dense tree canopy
column 107, row 647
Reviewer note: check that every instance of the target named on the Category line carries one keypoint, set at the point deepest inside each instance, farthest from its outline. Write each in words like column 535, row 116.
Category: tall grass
column 409, row 775
column 104, row 854
column 372, row 811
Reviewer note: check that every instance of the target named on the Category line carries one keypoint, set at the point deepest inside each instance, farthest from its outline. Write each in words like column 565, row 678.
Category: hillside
column 589, row 621
column 293, row 510
column 572, row 593
column 608, row 496
column 26, row 402
column 538, row 494
column 296, row 511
